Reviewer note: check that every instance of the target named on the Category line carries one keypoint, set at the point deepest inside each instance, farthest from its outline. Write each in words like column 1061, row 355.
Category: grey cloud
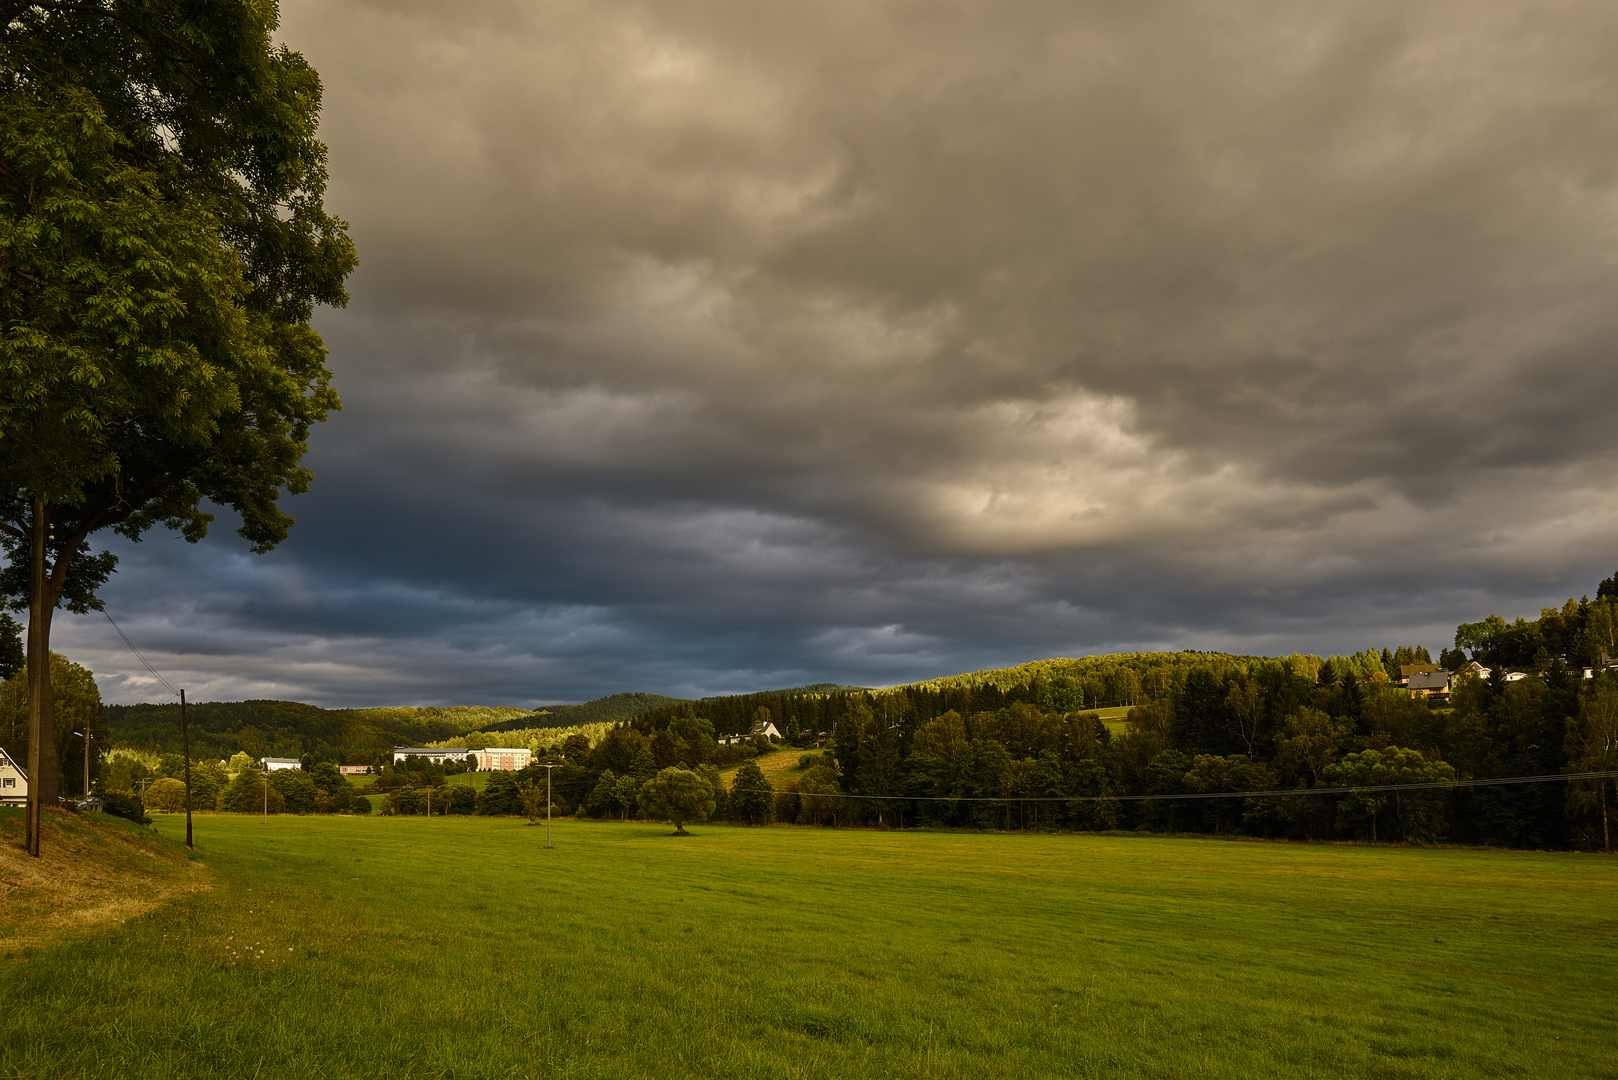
column 710, row 346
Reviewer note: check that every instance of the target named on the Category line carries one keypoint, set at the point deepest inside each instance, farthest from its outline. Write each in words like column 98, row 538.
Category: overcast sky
column 711, row 347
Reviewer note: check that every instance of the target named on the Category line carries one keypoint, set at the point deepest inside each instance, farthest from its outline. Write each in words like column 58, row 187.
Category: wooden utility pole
column 185, row 749
column 266, row 796
column 548, row 769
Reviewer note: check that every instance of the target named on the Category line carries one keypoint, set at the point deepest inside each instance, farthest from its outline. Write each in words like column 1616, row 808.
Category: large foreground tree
column 162, row 246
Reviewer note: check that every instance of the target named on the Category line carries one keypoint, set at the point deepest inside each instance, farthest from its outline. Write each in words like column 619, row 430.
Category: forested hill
column 292, row 729
column 600, row 711
column 1060, row 685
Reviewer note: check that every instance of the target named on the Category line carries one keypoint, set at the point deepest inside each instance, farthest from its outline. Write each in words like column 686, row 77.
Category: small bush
column 125, row 806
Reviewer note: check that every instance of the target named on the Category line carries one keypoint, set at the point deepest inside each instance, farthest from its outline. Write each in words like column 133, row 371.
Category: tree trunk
column 44, row 775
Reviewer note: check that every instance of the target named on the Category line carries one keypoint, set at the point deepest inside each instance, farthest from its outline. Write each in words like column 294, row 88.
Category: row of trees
column 1227, row 725
column 1581, row 632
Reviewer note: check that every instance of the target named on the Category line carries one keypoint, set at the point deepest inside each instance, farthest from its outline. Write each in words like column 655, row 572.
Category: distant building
column 502, row 758
column 1407, row 670
column 13, row 782
column 768, row 730
column 1429, row 684
column 277, row 764
column 435, row 754
column 355, row 770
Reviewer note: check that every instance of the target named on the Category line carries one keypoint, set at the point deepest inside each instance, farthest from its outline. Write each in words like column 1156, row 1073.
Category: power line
column 155, row 673
column 1270, row 794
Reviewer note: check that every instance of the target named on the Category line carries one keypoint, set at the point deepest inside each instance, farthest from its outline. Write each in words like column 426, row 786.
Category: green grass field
column 460, row 947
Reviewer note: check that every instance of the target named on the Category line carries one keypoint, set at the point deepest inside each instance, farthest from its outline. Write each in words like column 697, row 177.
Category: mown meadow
column 461, row 947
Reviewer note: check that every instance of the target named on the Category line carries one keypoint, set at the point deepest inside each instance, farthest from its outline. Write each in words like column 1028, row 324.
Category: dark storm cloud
column 706, row 347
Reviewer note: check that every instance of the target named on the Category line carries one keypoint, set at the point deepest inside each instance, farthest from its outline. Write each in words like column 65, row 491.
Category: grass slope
column 93, row 869
column 462, row 948
column 777, row 765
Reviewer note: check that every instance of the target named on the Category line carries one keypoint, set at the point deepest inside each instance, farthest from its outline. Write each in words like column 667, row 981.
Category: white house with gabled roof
column 13, row 782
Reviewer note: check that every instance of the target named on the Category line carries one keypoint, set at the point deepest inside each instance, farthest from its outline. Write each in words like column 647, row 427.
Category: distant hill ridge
column 292, row 729
column 602, row 710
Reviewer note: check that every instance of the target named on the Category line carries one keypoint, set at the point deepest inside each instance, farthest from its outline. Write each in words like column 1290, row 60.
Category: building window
column 9, row 782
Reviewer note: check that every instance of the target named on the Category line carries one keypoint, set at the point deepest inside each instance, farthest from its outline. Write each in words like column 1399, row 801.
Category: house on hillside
column 1407, row 670
column 1429, row 684
column 277, row 764
column 768, row 730
column 502, row 758
column 355, row 770
column 435, row 754
column 13, row 782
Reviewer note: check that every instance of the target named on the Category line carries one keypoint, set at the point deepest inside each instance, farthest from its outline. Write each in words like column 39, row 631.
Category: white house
column 766, row 729
column 435, row 754
column 502, row 758
column 277, row 764
column 13, row 782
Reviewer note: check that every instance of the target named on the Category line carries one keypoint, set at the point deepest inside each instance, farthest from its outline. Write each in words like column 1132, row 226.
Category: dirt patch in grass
column 92, row 871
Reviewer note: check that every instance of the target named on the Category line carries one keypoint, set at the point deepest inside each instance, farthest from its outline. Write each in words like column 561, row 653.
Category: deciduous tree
column 166, row 794
column 751, row 797
column 677, row 796
column 532, row 797
column 162, row 245
column 1592, row 743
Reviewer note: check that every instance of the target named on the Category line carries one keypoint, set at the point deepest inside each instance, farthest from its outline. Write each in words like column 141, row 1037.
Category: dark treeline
column 1582, row 632
column 818, row 710
column 600, row 711
column 1226, row 727
column 293, row 729
column 972, row 754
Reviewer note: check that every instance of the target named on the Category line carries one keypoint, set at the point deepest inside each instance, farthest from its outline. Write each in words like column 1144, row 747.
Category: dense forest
column 292, row 729
column 358, row 736
column 601, row 710
column 1024, row 747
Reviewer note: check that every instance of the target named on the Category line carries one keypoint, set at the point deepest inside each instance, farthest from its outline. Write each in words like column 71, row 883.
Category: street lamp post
column 87, row 737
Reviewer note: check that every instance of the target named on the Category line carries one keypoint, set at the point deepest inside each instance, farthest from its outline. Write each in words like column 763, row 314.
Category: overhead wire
column 146, row 663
